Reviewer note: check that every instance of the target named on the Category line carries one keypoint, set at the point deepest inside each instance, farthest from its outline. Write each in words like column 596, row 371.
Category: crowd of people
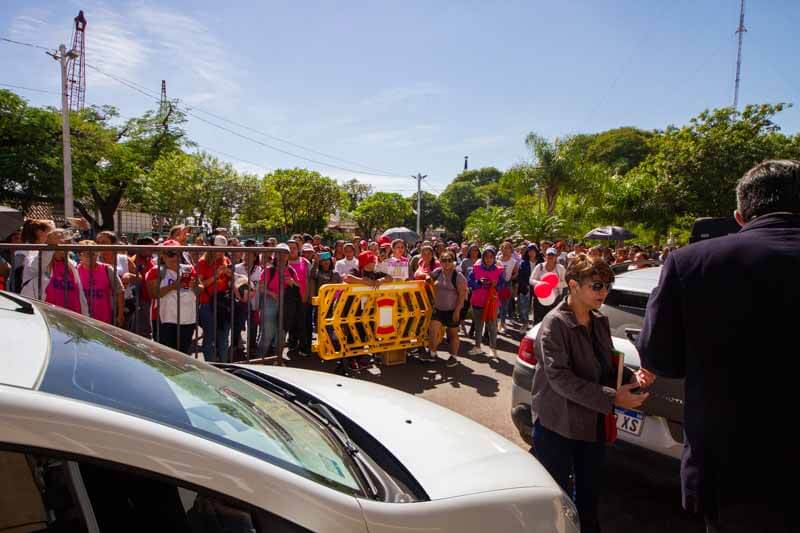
column 225, row 304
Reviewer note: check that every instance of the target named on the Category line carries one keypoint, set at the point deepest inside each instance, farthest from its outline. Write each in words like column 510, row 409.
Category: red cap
column 363, row 243
column 170, row 242
column 365, row 258
column 385, row 240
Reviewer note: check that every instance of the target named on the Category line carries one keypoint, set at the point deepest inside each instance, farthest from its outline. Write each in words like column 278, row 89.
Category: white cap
column 551, row 251
column 283, row 246
column 220, row 240
column 308, row 247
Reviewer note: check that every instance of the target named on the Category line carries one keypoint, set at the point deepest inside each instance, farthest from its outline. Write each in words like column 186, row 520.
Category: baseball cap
column 283, row 246
column 220, row 240
column 350, row 245
column 170, row 242
column 551, row 251
column 325, row 256
column 307, row 247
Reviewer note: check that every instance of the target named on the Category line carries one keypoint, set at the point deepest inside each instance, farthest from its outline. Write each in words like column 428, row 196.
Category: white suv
column 658, row 426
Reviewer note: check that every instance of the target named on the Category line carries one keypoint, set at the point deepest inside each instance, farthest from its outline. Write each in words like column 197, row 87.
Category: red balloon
column 551, row 279
column 543, row 290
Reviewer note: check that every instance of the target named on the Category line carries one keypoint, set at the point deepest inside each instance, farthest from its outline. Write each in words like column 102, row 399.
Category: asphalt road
column 642, row 491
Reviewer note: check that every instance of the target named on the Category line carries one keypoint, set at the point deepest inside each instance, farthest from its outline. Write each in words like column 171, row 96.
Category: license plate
column 630, row 421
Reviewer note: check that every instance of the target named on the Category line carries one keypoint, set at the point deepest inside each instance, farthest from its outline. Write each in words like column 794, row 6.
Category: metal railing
column 135, row 286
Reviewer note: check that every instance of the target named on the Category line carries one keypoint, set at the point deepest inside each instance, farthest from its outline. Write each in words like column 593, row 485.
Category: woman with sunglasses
column 450, row 295
column 575, row 388
column 174, row 278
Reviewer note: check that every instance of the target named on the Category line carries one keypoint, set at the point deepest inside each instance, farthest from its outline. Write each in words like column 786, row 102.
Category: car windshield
column 102, row 365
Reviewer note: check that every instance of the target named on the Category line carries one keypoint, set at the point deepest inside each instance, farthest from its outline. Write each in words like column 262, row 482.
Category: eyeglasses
column 598, row 286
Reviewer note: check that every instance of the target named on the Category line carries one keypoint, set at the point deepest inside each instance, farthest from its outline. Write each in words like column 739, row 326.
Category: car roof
column 26, row 342
column 643, row 280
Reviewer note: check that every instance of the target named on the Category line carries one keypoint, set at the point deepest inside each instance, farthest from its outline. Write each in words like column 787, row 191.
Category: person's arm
column 662, row 342
column 154, row 290
column 471, row 281
column 461, row 287
column 551, row 345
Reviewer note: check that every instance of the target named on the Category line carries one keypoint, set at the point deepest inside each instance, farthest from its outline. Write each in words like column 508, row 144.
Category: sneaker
column 477, row 350
column 502, row 327
column 428, row 357
column 451, row 361
column 494, row 353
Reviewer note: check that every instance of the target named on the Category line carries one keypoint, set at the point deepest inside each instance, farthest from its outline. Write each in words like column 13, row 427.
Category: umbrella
column 409, row 236
column 10, row 221
column 609, row 233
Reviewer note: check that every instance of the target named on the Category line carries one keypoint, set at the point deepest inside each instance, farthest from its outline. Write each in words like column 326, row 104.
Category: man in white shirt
column 349, row 263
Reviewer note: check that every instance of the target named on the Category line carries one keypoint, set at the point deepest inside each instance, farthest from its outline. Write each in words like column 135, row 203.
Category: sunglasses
column 598, row 286
column 445, row 260
column 171, row 253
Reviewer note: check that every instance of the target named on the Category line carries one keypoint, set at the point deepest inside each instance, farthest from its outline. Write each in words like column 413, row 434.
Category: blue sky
column 414, row 86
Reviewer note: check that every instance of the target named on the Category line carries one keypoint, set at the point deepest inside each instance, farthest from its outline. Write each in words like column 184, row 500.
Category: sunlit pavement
column 642, row 491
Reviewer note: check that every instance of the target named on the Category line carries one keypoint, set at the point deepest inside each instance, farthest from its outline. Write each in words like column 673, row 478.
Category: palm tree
column 551, row 169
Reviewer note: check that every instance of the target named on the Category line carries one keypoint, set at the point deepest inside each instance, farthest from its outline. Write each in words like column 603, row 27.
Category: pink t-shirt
column 97, row 289
column 273, row 278
column 62, row 290
column 302, row 267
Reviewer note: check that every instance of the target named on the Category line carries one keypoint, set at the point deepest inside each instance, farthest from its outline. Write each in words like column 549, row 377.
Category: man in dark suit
column 724, row 317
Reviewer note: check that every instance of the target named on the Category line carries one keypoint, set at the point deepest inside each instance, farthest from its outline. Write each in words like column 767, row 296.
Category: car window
column 118, row 370
column 629, row 302
column 44, row 493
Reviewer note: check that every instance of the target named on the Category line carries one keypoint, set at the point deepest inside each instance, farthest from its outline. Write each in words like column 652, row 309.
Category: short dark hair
column 769, row 187
column 584, row 267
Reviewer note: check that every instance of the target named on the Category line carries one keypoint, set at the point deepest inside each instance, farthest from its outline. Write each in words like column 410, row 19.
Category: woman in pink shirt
column 268, row 289
column 59, row 277
column 102, row 288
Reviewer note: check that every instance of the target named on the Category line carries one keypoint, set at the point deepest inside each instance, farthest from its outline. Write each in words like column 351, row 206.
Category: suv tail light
column 526, row 351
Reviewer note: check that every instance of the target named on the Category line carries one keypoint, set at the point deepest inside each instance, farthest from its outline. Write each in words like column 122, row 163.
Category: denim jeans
column 562, row 458
column 269, row 325
column 169, row 334
column 525, row 307
column 215, row 344
column 491, row 327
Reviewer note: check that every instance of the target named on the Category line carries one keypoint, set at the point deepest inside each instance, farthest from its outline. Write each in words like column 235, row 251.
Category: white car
column 658, row 425
column 102, row 430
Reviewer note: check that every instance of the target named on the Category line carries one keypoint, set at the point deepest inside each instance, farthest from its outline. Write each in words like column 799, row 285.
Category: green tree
column 704, row 160
column 30, row 152
column 433, row 213
column 492, row 225
column 357, row 192
column 381, row 210
column 460, row 200
column 620, row 149
column 479, row 176
column 533, row 222
column 305, row 199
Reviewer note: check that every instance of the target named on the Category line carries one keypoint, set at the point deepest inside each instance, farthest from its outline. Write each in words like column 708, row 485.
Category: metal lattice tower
column 740, row 31
column 165, row 107
column 76, row 77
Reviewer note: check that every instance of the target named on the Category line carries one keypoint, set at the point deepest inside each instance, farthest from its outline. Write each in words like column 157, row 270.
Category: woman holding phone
column 575, row 390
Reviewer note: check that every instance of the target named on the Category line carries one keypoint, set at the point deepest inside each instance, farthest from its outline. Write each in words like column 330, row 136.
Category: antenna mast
column 739, row 31
column 76, row 78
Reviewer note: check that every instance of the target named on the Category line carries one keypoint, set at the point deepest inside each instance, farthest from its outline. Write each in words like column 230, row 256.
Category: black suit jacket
column 724, row 316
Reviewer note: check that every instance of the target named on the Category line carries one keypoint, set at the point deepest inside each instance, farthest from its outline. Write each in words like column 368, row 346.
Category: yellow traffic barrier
column 357, row 319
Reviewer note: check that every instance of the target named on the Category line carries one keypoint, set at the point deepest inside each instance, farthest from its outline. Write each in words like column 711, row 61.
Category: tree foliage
column 381, row 210
column 491, row 225
column 459, row 201
column 357, row 192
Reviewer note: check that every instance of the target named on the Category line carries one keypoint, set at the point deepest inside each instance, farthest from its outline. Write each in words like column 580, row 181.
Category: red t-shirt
column 143, row 266
column 206, row 270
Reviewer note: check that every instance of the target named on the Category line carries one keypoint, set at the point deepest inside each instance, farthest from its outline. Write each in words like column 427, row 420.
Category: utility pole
column 740, row 31
column 63, row 56
column 419, row 178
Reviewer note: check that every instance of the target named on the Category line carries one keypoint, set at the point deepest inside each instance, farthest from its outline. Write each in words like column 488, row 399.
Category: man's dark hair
column 769, row 187
column 307, row 237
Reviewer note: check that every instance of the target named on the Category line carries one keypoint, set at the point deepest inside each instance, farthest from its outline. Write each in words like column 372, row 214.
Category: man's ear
column 739, row 218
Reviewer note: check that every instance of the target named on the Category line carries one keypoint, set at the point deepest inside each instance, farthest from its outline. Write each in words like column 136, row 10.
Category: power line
column 21, row 88
column 189, row 111
column 29, row 45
